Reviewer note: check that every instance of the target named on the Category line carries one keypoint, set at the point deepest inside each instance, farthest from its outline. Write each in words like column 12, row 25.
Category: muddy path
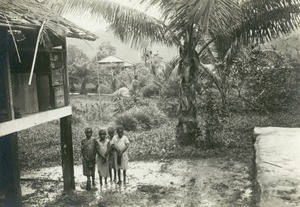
column 198, row 182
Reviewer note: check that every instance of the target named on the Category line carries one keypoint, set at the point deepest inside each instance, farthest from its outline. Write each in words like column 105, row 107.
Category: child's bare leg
column 124, row 176
column 93, row 179
column 115, row 174
column 119, row 175
column 88, row 183
column 110, row 175
column 100, row 177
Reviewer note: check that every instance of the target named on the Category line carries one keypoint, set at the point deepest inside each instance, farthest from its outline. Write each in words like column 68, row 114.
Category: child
column 103, row 149
column 88, row 151
column 120, row 143
column 111, row 156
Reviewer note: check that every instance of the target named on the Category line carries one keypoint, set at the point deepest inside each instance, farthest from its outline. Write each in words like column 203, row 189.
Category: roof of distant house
column 115, row 60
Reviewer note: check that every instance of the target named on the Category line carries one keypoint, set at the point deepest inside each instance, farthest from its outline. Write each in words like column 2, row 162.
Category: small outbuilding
column 34, row 85
column 114, row 61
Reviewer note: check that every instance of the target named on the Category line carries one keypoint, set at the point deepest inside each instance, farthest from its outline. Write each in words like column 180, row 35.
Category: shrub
column 273, row 89
column 157, row 116
column 267, row 81
column 169, row 106
column 91, row 88
column 77, row 119
column 150, row 90
column 127, row 121
column 143, row 120
column 171, row 88
column 104, row 89
column 94, row 111
column 145, row 117
column 159, row 142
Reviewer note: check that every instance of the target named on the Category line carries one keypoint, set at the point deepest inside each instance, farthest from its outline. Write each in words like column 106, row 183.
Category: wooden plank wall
column 43, row 89
column 25, row 96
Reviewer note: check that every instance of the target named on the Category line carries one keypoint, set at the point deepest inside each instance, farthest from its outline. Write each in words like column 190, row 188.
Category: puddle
column 157, row 183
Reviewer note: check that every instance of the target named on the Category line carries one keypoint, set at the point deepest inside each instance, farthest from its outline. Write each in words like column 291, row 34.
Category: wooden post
column 9, row 156
column 9, row 160
column 67, row 153
column 66, row 78
column 9, row 89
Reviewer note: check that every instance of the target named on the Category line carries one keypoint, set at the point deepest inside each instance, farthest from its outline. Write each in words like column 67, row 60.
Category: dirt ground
column 194, row 182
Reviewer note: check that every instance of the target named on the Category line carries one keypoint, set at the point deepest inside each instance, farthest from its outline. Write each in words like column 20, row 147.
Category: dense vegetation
column 205, row 32
column 209, row 98
column 263, row 94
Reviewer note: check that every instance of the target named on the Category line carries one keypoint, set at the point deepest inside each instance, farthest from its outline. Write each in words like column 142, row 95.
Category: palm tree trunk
column 224, row 86
column 83, row 90
column 187, row 123
column 72, row 87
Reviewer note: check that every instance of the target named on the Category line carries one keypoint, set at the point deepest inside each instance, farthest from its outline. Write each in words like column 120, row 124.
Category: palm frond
column 158, row 3
column 207, row 71
column 170, row 67
column 264, row 20
column 225, row 17
column 215, row 16
column 208, row 52
column 127, row 23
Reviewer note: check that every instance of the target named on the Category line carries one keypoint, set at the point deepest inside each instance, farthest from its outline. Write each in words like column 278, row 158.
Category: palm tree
column 81, row 73
column 188, row 24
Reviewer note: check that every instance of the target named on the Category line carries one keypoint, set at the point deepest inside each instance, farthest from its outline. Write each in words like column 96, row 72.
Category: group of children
column 109, row 152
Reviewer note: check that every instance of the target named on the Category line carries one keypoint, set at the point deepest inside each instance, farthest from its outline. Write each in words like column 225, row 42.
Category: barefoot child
column 103, row 149
column 120, row 143
column 88, row 151
column 111, row 156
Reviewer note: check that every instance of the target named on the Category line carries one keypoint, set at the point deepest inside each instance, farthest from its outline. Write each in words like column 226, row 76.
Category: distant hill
column 124, row 50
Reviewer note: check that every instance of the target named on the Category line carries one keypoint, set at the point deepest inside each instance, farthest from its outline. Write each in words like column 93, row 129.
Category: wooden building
column 33, row 84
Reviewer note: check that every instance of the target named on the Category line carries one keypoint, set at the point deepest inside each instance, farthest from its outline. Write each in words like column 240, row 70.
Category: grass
column 40, row 145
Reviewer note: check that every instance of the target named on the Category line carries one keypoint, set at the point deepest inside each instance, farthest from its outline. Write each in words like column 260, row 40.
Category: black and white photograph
column 149, row 103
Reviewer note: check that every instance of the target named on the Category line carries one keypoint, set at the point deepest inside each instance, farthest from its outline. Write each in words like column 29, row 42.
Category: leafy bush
column 274, row 88
column 122, row 104
column 145, row 117
column 127, row 121
column 77, row 119
column 266, row 81
column 105, row 89
column 169, row 106
column 210, row 118
column 171, row 88
column 150, row 90
column 157, row 116
column 93, row 113
column 143, row 120
column 159, row 142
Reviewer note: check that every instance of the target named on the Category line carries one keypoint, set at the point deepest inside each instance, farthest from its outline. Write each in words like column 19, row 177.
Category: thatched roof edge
column 31, row 14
